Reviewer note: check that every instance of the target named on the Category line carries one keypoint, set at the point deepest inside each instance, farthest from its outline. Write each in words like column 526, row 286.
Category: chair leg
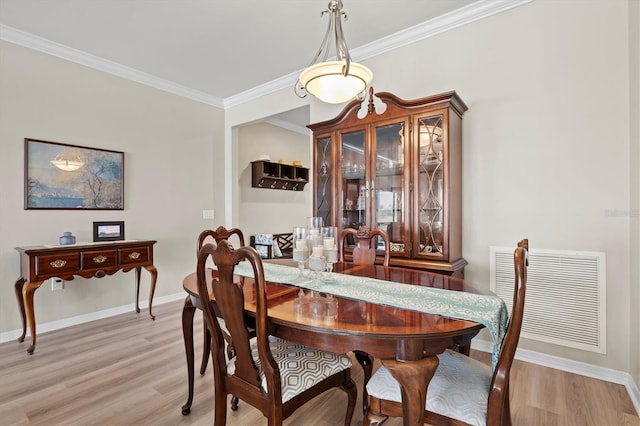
column 371, row 419
column 506, row 410
column 206, row 348
column 366, row 362
column 220, row 408
column 234, row 403
column 465, row 349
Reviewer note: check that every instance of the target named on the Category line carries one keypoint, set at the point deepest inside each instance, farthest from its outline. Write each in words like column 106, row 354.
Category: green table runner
column 490, row 311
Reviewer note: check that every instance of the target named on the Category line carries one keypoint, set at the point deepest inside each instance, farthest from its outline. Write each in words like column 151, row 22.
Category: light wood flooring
column 129, row 370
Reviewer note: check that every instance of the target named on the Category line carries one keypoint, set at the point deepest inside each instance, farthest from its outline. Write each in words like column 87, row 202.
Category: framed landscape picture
column 63, row 176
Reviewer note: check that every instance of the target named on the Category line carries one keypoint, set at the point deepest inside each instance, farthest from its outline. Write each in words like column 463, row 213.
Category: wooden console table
column 39, row 263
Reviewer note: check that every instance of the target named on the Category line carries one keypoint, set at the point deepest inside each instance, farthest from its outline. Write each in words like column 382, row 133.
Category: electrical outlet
column 208, row 214
column 57, row 284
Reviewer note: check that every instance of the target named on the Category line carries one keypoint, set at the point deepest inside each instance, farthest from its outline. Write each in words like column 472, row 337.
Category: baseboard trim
column 575, row 367
column 92, row 316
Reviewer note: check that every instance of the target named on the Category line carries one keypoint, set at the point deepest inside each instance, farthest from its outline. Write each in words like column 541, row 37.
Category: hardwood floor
column 129, row 370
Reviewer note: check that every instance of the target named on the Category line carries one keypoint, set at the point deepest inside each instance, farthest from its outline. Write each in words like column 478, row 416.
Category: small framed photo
column 108, row 231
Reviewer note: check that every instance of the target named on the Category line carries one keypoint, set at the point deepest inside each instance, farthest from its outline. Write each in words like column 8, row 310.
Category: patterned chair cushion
column 459, row 389
column 300, row 366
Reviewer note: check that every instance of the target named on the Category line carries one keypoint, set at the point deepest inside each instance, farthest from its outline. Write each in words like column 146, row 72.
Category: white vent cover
column 565, row 300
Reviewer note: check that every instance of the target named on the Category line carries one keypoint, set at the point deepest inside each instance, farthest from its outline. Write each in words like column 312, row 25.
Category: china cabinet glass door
column 353, row 185
column 430, row 201
column 389, row 184
column 324, row 188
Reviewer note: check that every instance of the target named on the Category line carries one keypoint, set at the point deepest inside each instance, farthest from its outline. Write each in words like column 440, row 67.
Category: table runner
column 490, row 311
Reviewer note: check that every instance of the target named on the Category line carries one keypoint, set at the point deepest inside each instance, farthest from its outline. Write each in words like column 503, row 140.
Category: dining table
column 372, row 314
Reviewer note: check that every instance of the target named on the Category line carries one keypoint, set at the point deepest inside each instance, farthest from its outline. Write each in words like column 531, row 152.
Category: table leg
column 138, row 268
column 414, row 378
column 18, row 288
column 188, row 312
column 27, row 295
column 152, row 289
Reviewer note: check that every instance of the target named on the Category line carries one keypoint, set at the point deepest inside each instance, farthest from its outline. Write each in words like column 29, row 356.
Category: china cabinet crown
column 399, row 170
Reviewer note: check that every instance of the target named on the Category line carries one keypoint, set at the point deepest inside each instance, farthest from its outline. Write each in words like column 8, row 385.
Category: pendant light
column 336, row 81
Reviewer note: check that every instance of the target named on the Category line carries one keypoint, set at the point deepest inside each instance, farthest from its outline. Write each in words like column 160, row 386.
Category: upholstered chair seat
column 300, row 366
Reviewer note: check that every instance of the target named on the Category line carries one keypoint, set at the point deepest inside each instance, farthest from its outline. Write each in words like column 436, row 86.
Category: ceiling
column 217, row 49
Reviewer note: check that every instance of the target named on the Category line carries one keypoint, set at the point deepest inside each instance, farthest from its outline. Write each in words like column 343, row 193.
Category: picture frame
column 60, row 176
column 108, row 231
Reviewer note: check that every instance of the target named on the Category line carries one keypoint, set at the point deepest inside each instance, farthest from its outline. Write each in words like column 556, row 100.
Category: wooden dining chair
column 364, row 253
column 274, row 375
column 463, row 390
column 221, row 233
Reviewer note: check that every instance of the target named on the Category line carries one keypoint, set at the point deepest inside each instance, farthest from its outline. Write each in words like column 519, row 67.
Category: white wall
column 171, row 166
column 263, row 210
column 546, row 137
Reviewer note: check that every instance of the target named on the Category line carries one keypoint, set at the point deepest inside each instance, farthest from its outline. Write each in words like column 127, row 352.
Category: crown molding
column 40, row 44
column 449, row 21
column 473, row 12
column 287, row 126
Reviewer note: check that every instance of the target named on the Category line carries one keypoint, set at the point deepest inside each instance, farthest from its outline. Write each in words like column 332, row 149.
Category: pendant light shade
column 336, row 81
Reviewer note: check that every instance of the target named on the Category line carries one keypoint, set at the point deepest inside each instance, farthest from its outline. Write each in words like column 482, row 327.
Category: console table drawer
column 98, row 259
column 138, row 255
column 56, row 264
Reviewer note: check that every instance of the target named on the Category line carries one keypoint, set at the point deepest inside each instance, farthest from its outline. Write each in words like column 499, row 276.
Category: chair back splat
column 221, row 233
column 463, row 391
column 269, row 373
column 364, row 252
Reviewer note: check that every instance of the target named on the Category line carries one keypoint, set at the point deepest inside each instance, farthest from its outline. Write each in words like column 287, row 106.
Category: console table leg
column 18, row 288
column 154, row 277
column 188, row 312
column 27, row 294
column 138, row 268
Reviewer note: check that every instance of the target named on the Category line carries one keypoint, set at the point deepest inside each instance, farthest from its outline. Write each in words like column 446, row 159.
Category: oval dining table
column 405, row 341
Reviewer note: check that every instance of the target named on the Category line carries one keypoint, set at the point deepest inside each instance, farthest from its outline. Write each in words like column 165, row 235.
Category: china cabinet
column 398, row 167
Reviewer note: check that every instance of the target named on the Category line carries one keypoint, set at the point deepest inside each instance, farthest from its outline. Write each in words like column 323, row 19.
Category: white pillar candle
column 329, row 242
column 301, row 245
column 317, row 251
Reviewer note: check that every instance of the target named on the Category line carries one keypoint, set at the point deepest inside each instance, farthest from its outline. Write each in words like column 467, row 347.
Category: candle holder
column 316, row 265
column 330, row 249
column 315, row 222
column 300, row 248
